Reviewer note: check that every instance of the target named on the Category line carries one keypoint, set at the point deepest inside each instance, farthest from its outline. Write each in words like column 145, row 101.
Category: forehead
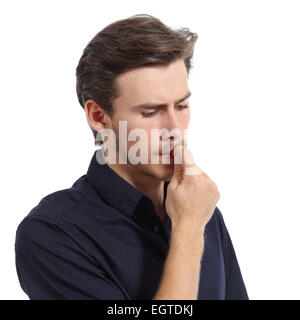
column 153, row 84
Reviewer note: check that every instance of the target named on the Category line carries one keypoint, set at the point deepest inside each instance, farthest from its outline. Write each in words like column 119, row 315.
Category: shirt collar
column 119, row 193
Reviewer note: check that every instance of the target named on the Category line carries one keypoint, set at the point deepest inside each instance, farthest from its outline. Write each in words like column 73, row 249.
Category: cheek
column 133, row 125
column 183, row 120
column 188, row 117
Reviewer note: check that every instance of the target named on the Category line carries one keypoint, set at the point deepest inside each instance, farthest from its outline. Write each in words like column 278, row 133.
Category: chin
column 160, row 172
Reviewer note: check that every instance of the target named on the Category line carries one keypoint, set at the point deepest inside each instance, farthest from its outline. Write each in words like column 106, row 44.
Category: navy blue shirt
column 102, row 239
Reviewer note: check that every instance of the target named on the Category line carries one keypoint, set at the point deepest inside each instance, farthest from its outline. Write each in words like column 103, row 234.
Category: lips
column 170, row 153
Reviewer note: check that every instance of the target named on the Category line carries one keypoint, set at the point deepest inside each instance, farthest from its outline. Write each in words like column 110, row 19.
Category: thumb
column 179, row 165
column 189, row 165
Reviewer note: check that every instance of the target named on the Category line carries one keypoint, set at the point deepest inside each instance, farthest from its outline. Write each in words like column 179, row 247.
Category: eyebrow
column 153, row 105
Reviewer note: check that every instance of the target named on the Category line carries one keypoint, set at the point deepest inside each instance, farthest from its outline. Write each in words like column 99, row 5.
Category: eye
column 149, row 114
column 180, row 107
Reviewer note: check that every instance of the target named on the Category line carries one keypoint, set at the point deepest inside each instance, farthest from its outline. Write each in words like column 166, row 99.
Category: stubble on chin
column 161, row 172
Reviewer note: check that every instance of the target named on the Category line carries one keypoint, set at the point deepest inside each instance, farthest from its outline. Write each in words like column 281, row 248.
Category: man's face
column 155, row 86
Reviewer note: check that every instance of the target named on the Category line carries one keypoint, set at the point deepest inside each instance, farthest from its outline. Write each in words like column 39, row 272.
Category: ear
column 96, row 116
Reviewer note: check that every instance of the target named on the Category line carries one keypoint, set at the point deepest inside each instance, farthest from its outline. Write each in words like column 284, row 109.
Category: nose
column 171, row 127
column 171, row 120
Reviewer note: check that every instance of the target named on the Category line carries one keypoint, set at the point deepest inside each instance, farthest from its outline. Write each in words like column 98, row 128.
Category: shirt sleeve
column 235, row 286
column 51, row 265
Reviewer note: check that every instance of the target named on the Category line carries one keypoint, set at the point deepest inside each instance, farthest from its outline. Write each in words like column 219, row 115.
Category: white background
column 244, row 129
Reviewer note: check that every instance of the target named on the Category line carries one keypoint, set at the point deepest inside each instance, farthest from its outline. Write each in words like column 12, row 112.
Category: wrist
column 188, row 226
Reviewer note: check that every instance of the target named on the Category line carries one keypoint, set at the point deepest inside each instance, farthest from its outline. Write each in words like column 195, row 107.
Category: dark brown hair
column 138, row 41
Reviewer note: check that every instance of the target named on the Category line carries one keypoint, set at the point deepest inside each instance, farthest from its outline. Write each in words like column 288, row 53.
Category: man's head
column 137, row 61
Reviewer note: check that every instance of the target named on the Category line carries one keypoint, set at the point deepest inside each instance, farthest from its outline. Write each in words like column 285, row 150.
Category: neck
column 151, row 187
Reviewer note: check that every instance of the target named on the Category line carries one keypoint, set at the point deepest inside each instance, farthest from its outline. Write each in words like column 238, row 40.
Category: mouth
column 171, row 153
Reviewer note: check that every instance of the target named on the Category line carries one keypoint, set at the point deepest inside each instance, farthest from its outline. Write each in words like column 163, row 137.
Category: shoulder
column 217, row 229
column 218, row 215
column 50, row 217
column 218, row 221
column 63, row 206
column 66, row 213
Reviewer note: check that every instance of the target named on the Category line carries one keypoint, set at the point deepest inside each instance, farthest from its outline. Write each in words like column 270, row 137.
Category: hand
column 191, row 195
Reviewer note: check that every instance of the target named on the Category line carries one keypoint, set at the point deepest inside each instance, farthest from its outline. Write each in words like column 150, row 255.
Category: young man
column 132, row 230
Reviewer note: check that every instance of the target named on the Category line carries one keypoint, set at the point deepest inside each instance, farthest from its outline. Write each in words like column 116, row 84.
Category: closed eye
column 184, row 106
column 148, row 114
column 152, row 113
